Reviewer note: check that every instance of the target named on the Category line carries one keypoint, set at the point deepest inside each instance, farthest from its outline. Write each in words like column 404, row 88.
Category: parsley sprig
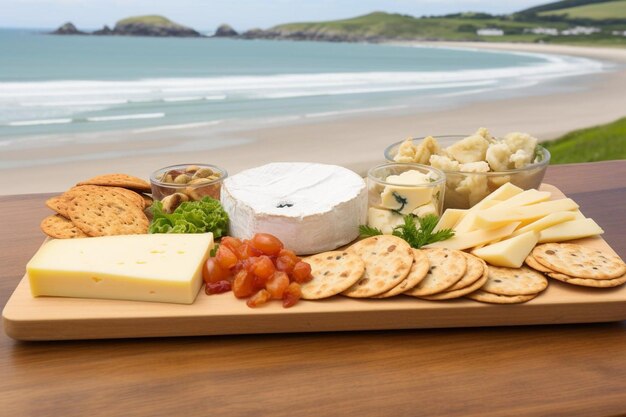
column 415, row 236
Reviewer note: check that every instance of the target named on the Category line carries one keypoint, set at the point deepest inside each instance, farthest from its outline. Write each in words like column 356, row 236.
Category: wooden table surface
column 566, row 370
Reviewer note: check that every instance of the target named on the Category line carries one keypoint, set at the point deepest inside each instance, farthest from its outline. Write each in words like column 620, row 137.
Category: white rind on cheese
column 310, row 207
column 156, row 267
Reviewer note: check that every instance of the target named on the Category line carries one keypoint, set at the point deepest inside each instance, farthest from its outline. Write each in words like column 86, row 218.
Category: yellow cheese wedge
column 469, row 222
column 510, row 252
column 545, row 222
column 495, row 217
column 475, row 238
column 575, row 229
column 157, row 267
column 502, row 193
column 449, row 219
column 524, row 198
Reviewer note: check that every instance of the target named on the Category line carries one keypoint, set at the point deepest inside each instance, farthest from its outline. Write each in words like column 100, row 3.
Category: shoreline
column 356, row 141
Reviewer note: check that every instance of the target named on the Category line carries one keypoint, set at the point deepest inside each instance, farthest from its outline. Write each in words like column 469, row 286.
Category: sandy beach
column 355, row 141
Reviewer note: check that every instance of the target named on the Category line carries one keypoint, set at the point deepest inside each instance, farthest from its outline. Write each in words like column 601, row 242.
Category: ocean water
column 51, row 85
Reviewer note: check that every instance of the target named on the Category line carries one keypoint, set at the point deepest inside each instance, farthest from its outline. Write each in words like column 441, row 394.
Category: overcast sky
column 206, row 15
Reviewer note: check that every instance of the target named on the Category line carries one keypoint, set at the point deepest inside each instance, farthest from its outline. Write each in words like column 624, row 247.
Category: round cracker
column 589, row 282
column 476, row 268
column 514, row 281
column 532, row 262
column 59, row 204
column 333, row 272
column 447, row 267
column 101, row 212
column 579, row 261
column 388, row 260
column 130, row 195
column 418, row 272
column 449, row 295
column 119, row 180
column 61, row 228
column 487, row 297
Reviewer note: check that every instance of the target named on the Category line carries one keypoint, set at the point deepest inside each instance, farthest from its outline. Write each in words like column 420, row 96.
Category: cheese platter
column 338, row 252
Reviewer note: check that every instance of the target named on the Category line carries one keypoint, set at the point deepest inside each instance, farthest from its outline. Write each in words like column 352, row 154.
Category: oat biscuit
column 58, row 204
column 61, row 228
column 119, row 180
column 100, row 212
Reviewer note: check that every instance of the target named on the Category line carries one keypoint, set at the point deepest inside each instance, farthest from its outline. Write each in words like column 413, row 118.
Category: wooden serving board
column 55, row 318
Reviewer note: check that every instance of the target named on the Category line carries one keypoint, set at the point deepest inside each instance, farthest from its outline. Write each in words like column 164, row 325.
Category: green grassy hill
column 598, row 11
column 608, row 15
column 598, row 143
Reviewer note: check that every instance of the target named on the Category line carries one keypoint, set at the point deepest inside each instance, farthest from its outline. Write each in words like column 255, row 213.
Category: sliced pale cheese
column 526, row 214
column 502, row 193
column 475, row 238
column 524, row 198
column 157, row 267
column 547, row 221
column 510, row 252
column 575, row 229
column 578, row 214
column 384, row 220
column 469, row 222
column 449, row 219
column 311, row 208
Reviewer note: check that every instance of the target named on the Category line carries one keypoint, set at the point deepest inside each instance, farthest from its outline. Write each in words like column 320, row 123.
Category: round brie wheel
column 310, row 207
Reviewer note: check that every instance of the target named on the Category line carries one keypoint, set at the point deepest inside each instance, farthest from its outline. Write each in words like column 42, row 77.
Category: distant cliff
column 158, row 26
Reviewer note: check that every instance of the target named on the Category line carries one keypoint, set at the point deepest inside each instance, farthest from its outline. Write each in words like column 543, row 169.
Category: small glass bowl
column 464, row 189
column 424, row 194
column 197, row 191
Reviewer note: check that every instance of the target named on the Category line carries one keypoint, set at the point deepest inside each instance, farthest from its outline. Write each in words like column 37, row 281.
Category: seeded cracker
column 448, row 295
column 119, row 180
column 61, row 228
column 589, row 282
column 100, row 212
column 388, row 260
column 333, row 272
column 476, row 268
column 487, row 297
column 418, row 272
column 532, row 262
column 447, row 267
column 130, row 195
column 579, row 261
column 58, row 204
column 514, row 281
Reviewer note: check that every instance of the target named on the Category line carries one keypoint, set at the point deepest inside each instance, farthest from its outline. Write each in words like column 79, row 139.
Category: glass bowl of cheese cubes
column 398, row 189
column 477, row 164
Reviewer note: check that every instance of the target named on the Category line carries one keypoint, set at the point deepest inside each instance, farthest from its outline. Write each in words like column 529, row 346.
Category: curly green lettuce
column 206, row 215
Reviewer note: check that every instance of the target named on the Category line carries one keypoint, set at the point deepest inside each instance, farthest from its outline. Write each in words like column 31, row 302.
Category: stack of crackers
column 386, row 266
column 111, row 204
column 578, row 265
